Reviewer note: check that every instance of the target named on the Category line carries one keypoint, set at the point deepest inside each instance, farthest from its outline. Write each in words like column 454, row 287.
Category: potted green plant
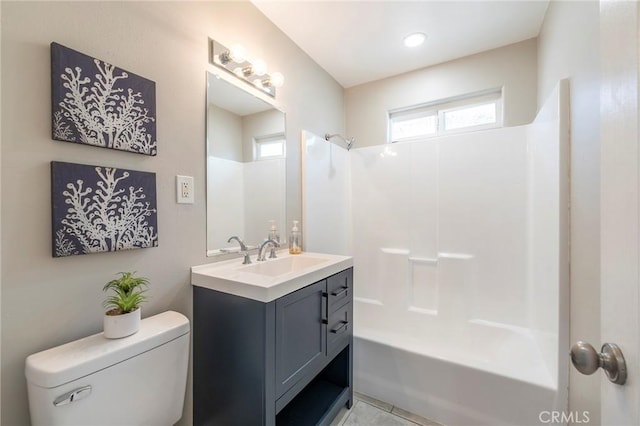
column 123, row 312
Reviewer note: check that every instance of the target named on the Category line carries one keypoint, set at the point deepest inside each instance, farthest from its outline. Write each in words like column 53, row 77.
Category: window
column 470, row 116
column 462, row 114
column 269, row 147
column 410, row 126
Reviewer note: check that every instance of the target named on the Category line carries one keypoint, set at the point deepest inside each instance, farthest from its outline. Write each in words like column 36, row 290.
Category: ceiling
column 361, row 41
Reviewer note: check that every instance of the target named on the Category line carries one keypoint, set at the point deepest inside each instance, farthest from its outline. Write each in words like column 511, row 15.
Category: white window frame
column 257, row 140
column 441, row 107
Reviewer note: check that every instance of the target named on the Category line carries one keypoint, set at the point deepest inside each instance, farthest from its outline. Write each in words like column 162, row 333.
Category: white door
column 620, row 196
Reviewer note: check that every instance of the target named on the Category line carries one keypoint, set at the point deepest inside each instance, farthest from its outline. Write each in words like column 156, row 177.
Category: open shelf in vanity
column 322, row 398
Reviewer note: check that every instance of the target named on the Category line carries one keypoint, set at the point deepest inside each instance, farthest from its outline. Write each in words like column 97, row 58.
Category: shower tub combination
column 460, row 250
column 461, row 262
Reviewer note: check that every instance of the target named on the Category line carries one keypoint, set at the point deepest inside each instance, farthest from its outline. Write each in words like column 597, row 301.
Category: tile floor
column 367, row 411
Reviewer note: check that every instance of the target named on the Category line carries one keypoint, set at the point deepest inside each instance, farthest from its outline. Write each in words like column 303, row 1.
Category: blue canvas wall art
column 97, row 209
column 98, row 104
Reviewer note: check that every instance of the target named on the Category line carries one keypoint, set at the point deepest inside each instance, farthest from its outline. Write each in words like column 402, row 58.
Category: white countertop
column 232, row 277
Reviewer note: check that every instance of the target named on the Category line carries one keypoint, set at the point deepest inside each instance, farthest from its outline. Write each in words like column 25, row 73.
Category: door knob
column 586, row 360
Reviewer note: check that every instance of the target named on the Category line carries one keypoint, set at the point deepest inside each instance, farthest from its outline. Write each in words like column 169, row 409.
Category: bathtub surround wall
column 247, row 196
column 569, row 47
column 264, row 198
column 228, row 190
column 326, row 195
column 166, row 42
column 435, row 207
column 548, row 148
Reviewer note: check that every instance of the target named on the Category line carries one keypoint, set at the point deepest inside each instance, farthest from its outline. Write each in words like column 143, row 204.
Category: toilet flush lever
column 71, row 396
column 587, row 361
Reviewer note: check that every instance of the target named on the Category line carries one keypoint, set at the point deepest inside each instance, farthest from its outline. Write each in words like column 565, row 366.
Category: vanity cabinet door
column 301, row 334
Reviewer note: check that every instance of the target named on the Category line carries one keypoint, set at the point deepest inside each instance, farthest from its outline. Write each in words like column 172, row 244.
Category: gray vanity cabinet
column 284, row 362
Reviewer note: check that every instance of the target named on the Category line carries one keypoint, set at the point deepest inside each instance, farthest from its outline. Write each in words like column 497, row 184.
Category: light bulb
column 259, row 67
column 238, row 53
column 277, row 79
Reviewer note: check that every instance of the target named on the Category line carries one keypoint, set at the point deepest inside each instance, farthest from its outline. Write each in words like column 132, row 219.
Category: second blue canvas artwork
column 97, row 209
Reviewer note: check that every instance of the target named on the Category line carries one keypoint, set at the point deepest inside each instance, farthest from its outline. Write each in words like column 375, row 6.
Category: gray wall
column 512, row 67
column 46, row 301
column 568, row 47
column 224, row 137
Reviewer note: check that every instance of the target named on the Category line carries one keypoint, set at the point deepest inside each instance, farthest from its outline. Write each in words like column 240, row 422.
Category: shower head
column 349, row 141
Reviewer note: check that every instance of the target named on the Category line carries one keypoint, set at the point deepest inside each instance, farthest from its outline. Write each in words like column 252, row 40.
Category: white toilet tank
column 136, row 380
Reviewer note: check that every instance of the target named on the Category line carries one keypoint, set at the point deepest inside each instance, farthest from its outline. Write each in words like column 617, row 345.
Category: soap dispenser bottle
column 295, row 246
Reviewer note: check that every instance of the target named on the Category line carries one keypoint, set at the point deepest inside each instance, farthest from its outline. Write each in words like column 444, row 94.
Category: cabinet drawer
column 339, row 327
column 340, row 289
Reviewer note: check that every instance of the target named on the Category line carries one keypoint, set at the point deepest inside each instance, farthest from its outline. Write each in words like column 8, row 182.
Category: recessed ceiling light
column 415, row 39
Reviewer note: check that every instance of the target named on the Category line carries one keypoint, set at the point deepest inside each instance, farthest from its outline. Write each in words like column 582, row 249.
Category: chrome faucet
column 243, row 250
column 261, row 254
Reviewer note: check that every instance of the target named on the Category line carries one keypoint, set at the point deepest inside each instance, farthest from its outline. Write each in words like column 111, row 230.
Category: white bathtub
column 477, row 374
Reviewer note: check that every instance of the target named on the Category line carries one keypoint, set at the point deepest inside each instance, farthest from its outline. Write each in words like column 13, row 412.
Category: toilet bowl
column 137, row 380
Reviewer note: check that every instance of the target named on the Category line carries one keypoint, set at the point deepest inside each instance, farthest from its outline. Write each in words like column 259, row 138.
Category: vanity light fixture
column 414, row 39
column 235, row 54
column 234, row 60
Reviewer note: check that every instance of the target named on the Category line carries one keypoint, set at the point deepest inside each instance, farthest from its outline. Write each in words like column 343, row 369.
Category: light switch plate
column 184, row 189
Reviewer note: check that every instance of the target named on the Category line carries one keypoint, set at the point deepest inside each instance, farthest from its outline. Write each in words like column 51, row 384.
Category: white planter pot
column 117, row 326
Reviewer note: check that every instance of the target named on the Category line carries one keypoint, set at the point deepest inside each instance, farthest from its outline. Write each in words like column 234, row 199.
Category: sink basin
column 271, row 279
column 285, row 265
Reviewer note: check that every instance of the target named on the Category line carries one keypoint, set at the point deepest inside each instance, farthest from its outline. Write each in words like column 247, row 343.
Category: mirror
column 246, row 149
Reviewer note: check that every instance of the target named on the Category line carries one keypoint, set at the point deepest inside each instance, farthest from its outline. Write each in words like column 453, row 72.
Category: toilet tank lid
column 62, row 364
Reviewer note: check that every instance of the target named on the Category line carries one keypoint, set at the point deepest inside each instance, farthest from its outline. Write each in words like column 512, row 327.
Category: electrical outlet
column 184, row 188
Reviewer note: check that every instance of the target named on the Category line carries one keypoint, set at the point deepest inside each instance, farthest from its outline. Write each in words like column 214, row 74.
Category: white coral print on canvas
column 96, row 103
column 97, row 209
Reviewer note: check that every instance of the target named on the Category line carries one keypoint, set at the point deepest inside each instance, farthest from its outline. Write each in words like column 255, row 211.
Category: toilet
column 136, row 380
